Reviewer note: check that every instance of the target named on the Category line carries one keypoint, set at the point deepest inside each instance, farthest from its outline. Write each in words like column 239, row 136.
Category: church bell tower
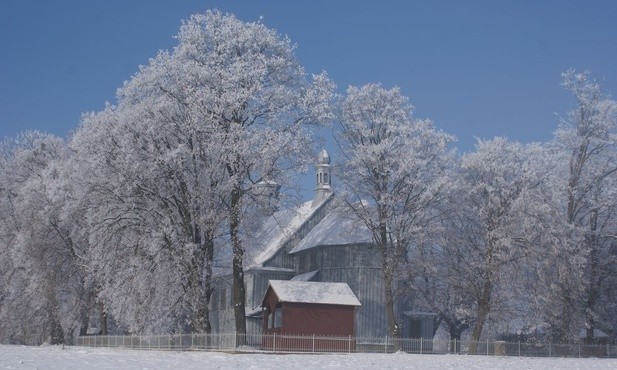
column 322, row 173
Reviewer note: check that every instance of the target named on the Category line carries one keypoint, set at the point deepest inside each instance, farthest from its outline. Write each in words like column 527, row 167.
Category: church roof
column 334, row 229
column 279, row 228
column 314, row 292
column 308, row 276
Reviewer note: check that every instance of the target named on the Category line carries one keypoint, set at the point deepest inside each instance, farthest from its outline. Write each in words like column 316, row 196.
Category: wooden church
column 316, row 243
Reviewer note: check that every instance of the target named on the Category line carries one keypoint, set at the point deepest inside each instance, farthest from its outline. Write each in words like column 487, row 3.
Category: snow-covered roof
column 271, row 268
column 335, row 229
column 278, row 228
column 314, row 292
column 305, row 277
column 256, row 312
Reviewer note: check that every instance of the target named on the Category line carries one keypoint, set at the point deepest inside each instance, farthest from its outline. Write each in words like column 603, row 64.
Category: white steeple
column 322, row 174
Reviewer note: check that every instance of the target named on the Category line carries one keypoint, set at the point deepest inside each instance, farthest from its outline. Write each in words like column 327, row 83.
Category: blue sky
column 477, row 68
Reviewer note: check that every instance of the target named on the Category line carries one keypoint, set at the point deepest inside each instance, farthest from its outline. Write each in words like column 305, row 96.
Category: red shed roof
column 314, row 292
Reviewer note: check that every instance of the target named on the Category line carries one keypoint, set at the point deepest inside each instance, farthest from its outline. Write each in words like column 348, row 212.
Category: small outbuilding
column 311, row 310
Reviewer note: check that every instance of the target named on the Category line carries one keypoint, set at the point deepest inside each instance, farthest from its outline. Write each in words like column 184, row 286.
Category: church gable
column 283, row 231
column 334, row 229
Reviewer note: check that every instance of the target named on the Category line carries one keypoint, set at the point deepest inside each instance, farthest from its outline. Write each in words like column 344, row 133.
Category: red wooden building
column 310, row 310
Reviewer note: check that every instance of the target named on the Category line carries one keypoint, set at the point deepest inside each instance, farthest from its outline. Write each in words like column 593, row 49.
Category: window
column 325, row 178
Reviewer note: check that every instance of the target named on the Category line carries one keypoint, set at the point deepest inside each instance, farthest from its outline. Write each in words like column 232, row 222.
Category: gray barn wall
column 256, row 283
column 221, row 313
column 359, row 266
column 365, row 282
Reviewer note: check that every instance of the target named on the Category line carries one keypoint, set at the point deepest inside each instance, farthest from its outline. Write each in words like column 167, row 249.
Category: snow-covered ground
column 54, row 357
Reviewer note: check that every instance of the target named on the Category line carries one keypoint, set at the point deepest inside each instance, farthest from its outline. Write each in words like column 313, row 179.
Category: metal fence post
column 420, row 345
column 274, row 343
column 549, row 349
column 313, row 343
column 519, row 348
column 349, row 344
column 385, row 346
column 487, row 347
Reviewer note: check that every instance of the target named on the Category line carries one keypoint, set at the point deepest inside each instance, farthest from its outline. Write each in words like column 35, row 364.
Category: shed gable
column 314, row 293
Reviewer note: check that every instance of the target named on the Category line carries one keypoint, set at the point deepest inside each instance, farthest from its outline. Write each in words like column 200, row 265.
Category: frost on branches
column 177, row 161
column 46, row 290
column 394, row 177
column 584, row 180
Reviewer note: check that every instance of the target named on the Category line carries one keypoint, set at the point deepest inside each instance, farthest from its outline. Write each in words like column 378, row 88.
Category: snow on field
column 55, row 357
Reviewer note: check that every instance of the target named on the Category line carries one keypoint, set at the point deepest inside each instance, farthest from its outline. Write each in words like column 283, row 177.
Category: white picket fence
column 318, row 344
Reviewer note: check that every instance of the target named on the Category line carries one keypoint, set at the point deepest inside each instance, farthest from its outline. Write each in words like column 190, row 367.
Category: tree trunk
column 388, row 268
column 484, row 307
column 455, row 339
column 393, row 329
column 562, row 332
column 201, row 314
column 592, row 283
column 85, row 311
column 102, row 318
column 456, row 329
column 208, row 287
column 57, row 333
column 237, row 268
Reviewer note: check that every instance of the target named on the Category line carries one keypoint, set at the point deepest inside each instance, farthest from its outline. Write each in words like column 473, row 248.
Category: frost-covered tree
column 153, row 179
column 394, row 176
column 484, row 239
column 44, row 274
column 584, row 178
column 179, row 157
column 257, row 99
column 435, row 277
